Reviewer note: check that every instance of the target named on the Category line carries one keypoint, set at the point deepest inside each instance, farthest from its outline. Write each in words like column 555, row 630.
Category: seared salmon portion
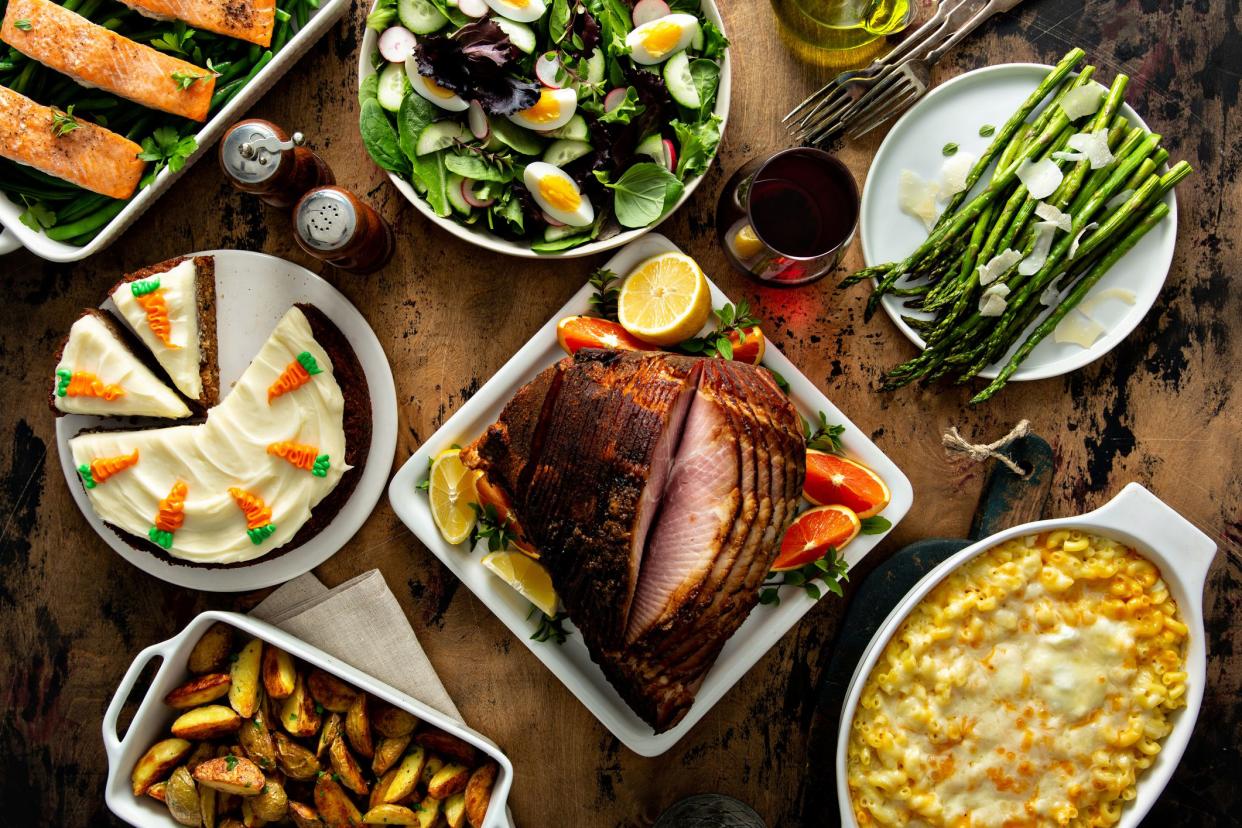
column 86, row 154
column 95, row 56
column 250, row 20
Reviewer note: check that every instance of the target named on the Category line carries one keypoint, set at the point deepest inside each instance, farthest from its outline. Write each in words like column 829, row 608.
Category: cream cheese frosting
column 99, row 374
column 229, row 454
column 178, row 351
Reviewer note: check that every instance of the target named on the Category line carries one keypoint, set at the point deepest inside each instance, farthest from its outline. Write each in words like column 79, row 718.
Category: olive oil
column 829, row 31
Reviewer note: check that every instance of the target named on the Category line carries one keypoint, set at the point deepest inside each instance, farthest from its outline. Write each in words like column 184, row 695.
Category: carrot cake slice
column 171, row 306
column 97, row 372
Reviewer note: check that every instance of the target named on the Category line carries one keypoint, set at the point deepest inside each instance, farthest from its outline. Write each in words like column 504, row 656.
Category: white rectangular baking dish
column 1136, row 517
column 151, row 721
column 570, row 661
column 15, row 235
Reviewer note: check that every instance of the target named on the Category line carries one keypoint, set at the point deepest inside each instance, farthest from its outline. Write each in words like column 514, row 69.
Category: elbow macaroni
column 1031, row 687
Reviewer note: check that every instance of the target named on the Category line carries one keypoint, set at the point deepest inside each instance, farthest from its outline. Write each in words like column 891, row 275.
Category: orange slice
column 491, row 495
column 813, row 532
column 831, row 479
column 577, row 332
column 752, row 349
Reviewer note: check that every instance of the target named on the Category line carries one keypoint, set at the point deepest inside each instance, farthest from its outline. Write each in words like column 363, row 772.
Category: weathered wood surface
column 1160, row 409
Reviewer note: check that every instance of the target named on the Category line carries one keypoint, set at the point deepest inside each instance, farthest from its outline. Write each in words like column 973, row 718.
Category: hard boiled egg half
column 659, row 39
column 432, row 91
column 521, row 11
column 552, row 111
column 557, row 194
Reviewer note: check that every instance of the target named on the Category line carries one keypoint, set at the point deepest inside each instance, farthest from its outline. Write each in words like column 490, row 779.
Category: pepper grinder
column 260, row 158
column 332, row 224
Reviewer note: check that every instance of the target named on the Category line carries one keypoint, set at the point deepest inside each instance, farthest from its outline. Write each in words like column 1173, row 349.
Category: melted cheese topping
column 229, row 451
column 93, row 348
column 1030, row 688
column 180, row 359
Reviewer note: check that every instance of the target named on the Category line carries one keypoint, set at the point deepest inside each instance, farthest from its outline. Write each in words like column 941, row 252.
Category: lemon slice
column 665, row 300
column 746, row 244
column 451, row 493
column 526, row 576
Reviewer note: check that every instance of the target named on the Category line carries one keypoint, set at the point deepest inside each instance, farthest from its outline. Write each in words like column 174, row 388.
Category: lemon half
column 451, row 493
column 665, row 300
column 526, row 576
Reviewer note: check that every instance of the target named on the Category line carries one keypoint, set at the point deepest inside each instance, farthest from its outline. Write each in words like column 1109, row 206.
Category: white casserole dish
column 14, row 234
column 152, row 719
column 1135, row 517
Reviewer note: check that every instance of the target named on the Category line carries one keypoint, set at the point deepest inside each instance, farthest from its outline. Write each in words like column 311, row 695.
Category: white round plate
column 490, row 241
column 953, row 112
column 253, row 291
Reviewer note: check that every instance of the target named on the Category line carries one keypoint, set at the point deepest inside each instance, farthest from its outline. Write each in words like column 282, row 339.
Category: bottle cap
column 250, row 152
column 326, row 220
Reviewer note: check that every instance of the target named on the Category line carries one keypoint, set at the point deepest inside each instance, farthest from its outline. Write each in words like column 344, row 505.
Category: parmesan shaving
column 1073, row 251
column 1068, row 155
column 1051, row 297
column 1044, row 231
column 1047, row 212
column 954, row 172
column 1082, row 100
column 1118, row 200
column 992, row 302
column 1093, row 146
column 1096, row 299
column 1077, row 329
column 1001, row 262
column 917, row 198
column 1041, row 177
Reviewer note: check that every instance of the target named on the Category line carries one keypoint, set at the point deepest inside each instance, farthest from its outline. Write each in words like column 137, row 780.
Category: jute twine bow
column 955, row 443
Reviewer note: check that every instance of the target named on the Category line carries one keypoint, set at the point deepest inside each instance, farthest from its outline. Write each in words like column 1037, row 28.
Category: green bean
column 93, row 221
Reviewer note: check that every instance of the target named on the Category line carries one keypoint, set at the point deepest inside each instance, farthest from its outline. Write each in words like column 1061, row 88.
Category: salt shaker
column 260, row 158
column 332, row 224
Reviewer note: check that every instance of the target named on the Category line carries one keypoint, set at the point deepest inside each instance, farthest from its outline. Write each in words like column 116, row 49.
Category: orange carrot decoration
column 170, row 516
column 259, row 524
column 85, row 384
column 296, row 374
column 101, row 468
column 157, row 316
column 302, row 456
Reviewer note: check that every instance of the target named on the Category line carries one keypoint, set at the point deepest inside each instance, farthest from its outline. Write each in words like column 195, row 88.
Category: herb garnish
column 498, row 533
column 24, row 25
column 875, row 525
column 829, row 571
column 949, row 149
column 718, row 343
column 551, row 627
column 986, row 131
column 825, row 437
column 185, row 80
column 64, row 123
column 604, row 299
column 37, row 216
column 177, row 42
column 230, row 761
column 166, row 149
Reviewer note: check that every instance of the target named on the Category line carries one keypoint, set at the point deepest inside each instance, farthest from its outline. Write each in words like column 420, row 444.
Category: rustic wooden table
column 1160, row 409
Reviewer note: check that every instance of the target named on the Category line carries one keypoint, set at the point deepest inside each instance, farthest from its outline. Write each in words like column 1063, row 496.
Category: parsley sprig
column 37, row 216
column 830, row 571
column 185, row 80
column 166, row 149
column 64, row 123
column 604, row 299
column 824, row 437
column 180, row 41
column 551, row 627
column 718, row 343
column 489, row 526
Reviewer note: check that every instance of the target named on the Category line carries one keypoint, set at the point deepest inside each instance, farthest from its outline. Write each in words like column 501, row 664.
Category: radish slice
column 614, row 98
column 670, row 155
column 396, row 44
column 551, row 220
column 480, row 127
column 472, row 8
column 548, row 70
column 467, row 192
column 647, row 10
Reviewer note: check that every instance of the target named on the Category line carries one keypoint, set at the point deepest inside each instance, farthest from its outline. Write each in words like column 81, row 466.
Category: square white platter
column 570, row 661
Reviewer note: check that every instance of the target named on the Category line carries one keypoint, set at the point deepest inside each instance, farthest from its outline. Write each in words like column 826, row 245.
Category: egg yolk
column 519, row 4
column 559, row 193
column 547, row 108
column 661, row 38
column 437, row 90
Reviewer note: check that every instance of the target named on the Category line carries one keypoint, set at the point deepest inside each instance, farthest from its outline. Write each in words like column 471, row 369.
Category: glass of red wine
column 786, row 219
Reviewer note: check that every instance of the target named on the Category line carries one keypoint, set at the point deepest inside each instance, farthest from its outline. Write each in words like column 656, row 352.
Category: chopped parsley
column 64, row 123
column 230, row 761
column 185, row 80
column 24, row 25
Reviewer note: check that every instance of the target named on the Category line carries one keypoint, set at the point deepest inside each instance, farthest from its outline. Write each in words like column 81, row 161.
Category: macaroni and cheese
column 1032, row 687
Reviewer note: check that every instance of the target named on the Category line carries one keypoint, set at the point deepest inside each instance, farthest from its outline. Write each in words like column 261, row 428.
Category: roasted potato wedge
column 248, row 817
column 198, row 691
column 211, row 721
column 231, row 774
column 181, row 796
column 227, row 803
column 446, row 744
column 156, row 791
column 406, row 776
column 387, row 752
column 479, row 793
column 428, row 812
column 434, row 763
column 207, row 806
column 211, row 652
column 346, row 767
column 380, row 788
column 157, row 763
column 201, row 753
column 335, row 807
column 304, row 816
column 244, row 677
column 256, row 740
column 232, row 823
column 333, row 726
column 272, row 803
column 358, row 726
column 296, row 761
column 330, row 691
column 390, row 815
column 455, row 810
column 390, row 721
column 448, row 780
column 278, row 673
column 298, row 714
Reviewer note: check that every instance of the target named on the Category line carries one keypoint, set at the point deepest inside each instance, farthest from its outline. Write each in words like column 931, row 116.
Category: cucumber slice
column 391, row 87
column 455, row 197
column 697, row 42
column 680, row 82
column 653, row 147
column 440, row 135
column 520, row 35
column 562, row 151
column 595, row 66
column 575, row 130
column 554, row 233
column 515, row 137
column 420, row 16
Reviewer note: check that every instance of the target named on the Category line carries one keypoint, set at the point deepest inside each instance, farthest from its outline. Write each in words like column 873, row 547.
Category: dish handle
column 1138, row 512
column 114, row 744
column 8, row 241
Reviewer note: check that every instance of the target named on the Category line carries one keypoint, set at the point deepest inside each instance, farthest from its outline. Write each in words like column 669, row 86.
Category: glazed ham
column 656, row 488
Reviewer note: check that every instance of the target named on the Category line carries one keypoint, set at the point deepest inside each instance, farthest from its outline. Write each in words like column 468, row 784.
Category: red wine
column 803, row 203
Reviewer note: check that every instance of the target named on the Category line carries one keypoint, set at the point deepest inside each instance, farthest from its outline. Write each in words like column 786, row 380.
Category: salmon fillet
column 89, row 155
column 97, row 57
column 250, row 20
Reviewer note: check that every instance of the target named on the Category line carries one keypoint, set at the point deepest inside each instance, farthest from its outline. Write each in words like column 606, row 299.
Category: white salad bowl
column 1137, row 518
column 497, row 244
column 153, row 717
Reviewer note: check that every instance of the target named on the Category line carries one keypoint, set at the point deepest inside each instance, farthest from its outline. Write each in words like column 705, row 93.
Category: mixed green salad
column 552, row 122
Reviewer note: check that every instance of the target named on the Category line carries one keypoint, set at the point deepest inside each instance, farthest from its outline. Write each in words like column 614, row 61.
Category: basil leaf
column 697, row 143
column 643, row 193
column 510, row 209
column 431, row 171
column 706, row 76
column 368, row 89
column 558, row 20
column 472, row 166
column 380, row 139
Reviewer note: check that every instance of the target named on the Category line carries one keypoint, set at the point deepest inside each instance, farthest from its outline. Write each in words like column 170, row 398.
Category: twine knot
column 955, row 443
